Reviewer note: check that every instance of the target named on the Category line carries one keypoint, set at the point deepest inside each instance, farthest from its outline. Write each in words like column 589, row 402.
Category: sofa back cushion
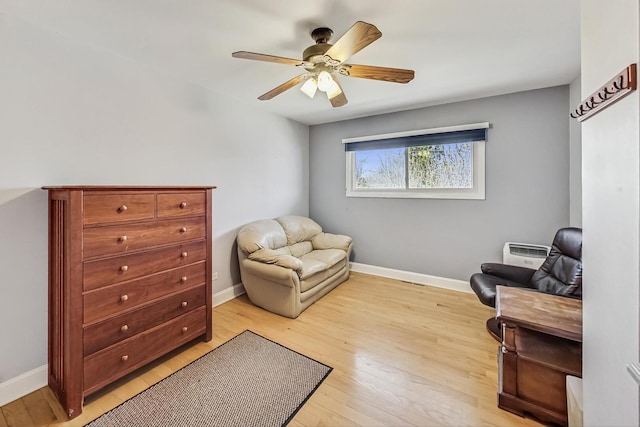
column 298, row 228
column 262, row 234
column 301, row 248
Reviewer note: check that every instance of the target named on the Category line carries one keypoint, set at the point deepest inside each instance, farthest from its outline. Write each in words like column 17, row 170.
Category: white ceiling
column 459, row 49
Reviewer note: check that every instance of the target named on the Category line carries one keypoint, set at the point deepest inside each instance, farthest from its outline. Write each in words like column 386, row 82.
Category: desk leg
column 508, row 381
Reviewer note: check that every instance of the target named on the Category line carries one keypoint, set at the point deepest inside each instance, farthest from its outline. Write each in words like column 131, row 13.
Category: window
column 441, row 163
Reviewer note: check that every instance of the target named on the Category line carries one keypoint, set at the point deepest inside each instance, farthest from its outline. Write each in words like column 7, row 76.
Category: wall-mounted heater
column 524, row 254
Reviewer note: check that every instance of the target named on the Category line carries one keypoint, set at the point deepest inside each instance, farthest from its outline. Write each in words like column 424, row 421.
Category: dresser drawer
column 128, row 267
column 118, row 328
column 119, row 239
column 181, row 204
column 100, row 208
column 104, row 302
column 119, row 359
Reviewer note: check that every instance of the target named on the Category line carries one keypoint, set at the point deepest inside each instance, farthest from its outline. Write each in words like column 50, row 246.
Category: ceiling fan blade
column 266, row 58
column 359, row 36
column 284, row 86
column 340, row 99
column 396, row 75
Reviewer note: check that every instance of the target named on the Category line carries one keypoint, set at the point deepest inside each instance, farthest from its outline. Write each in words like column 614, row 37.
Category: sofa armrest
column 270, row 256
column 331, row 241
column 510, row 272
column 270, row 272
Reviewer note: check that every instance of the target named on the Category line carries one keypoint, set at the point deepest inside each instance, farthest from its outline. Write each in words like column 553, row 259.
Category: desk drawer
column 128, row 267
column 102, row 303
column 119, row 359
column 99, row 208
column 119, row 239
column 119, row 328
column 181, row 204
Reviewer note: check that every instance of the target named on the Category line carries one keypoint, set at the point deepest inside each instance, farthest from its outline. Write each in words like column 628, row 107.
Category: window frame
column 477, row 192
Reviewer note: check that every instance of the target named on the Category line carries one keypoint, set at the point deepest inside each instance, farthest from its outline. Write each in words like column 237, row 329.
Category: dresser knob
column 184, row 254
column 183, row 279
column 183, row 205
column 122, row 208
column 124, row 328
column 124, row 297
column 124, row 268
column 184, row 329
column 184, row 303
column 124, row 358
column 183, row 230
column 122, row 239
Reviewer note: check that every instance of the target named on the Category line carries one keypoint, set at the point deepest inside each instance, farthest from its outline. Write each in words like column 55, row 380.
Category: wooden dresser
column 129, row 280
column 541, row 345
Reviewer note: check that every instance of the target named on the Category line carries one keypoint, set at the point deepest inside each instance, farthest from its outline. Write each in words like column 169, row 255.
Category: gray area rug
column 247, row 381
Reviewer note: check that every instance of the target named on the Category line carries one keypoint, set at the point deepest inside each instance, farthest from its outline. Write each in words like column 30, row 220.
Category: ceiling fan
column 322, row 61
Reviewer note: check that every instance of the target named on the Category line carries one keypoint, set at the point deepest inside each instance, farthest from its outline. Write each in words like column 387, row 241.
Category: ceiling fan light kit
column 322, row 61
column 324, row 81
column 333, row 90
column 309, row 87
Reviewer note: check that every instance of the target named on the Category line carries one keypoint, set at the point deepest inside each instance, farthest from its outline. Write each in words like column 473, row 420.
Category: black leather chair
column 560, row 274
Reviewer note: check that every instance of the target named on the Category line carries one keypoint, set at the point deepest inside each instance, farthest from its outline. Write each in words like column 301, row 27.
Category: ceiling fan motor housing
column 322, row 35
column 315, row 52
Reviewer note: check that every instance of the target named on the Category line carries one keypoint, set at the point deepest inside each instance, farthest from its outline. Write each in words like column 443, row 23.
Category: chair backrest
column 561, row 272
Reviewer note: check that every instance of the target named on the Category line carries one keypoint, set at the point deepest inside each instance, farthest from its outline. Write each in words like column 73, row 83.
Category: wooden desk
column 541, row 345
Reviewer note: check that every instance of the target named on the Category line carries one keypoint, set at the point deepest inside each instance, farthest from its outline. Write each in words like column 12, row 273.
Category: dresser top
column 551, row 314
column 129, row 187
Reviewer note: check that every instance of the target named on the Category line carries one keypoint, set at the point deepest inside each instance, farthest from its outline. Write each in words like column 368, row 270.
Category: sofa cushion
column 301, row 248
column 311, row 267
column 316, row 271
column 319, row 265
column 262, row 234
column 298, row 228
column 312, row 282
column 281, row 257
column 327, row 257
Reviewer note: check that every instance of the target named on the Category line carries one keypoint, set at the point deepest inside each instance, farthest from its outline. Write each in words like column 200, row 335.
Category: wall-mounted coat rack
column 614, row 90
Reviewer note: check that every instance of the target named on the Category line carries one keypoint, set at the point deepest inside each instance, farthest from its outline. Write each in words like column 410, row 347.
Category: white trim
column 417, row 278
column 227, row 294
column 456, row 128
column 23, row 384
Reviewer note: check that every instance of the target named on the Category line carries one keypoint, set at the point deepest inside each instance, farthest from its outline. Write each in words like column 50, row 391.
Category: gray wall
column 74, row 114
column 527, row 187
column 610, row 217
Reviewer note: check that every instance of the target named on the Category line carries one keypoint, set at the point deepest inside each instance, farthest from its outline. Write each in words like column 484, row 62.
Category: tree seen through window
column 421, row 167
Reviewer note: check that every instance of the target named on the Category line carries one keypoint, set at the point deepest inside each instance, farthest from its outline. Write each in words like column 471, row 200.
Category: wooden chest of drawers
column 129, row 281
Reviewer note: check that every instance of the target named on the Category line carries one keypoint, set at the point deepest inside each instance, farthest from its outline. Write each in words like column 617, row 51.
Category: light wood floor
column 403, row 355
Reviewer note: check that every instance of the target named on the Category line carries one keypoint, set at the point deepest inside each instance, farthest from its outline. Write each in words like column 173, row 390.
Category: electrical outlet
column 214, row 276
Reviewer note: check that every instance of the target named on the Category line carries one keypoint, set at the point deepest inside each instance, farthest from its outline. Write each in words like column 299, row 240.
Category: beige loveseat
column 288, row 263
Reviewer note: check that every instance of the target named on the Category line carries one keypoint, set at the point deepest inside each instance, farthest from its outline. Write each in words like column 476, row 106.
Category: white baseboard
column 22, row 385
column 228, row 294
column 408, row 276
column 19, row 386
